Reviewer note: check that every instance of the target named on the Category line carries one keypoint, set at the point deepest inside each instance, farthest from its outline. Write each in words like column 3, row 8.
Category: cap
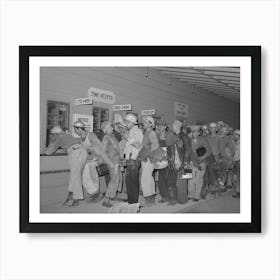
column 79, row 124
column 220, row 123
column 56, row 130
column 195, row 128
column 150, row 119
column 177, row 123
column 212, row 124
column 131, row 118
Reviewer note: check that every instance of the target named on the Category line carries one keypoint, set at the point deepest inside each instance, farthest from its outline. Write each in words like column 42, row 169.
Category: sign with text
column 83, row 101
column 148, row 112
column 86, row 119
column 181, row 110
column 117, row 107
column 101, row 95
column 125, row 107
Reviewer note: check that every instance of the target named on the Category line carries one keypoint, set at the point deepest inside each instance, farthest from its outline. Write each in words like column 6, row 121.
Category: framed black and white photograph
column 140, row 138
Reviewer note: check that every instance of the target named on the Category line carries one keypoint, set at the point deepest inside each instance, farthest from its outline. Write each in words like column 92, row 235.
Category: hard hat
column 221, row 123
column 56, row 130
column 195, row 128
column 150, row 119
column 204, row 127
column 214, row 125
column 237, row 131
column 131, row 118
column 79, row 124
column 177, row 123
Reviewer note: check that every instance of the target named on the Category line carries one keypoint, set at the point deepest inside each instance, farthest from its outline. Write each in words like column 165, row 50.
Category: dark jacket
column 178, row 141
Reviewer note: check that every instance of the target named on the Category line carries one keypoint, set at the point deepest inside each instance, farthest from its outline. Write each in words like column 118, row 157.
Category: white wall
column 132, row 87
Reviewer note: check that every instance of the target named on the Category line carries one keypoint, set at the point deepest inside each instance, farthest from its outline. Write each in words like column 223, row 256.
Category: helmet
column 220, row 123
column 204, row 127
column 56, row 130
column 177, row 123
column 212, row 125
column 237, row 131
column 131, row 118
column 195, row 128
column 79, row 124
column 150, row 119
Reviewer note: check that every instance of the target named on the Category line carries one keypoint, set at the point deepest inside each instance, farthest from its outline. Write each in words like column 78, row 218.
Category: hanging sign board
column 148, row 112
column 117, row 107
column 86, row 119
column 83, row 101
column 101, row 95
column 125, row 107
column 181, row 110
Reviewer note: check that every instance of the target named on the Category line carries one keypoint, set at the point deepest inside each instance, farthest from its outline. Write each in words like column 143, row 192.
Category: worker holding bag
column 149, row 155
column 200, row 152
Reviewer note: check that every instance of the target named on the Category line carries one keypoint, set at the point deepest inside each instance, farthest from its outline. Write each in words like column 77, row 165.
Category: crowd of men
column 179, row 162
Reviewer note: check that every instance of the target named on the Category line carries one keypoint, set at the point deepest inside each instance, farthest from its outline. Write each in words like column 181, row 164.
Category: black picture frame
column 25, row 52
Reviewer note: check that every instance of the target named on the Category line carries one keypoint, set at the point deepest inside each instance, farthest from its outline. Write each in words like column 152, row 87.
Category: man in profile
column 77, row 156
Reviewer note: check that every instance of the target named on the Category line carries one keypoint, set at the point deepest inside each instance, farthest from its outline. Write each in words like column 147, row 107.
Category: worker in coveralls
column 77, row 156
column 96, row 154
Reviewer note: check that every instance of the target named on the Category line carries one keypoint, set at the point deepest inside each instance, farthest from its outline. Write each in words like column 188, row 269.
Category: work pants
column 163, row 182
column 77, row 156
column 132, row 181
column 113, row 183
column 195, row 184
column 147, row 179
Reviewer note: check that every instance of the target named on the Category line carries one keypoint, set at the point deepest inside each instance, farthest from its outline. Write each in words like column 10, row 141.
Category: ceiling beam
column 219, row 69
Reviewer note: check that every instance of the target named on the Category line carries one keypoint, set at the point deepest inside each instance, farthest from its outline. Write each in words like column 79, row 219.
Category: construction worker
column 96, row 154
column 201, row 150
column 236, row 163
column 77, row 156
column 149, row 155
column 133, row 145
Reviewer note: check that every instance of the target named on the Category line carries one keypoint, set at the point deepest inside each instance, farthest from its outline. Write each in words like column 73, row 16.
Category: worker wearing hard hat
column 201, row 151
column 132, row 148
column 149, row 155
column 96, row 153
column 236, row 163
column 77, row 156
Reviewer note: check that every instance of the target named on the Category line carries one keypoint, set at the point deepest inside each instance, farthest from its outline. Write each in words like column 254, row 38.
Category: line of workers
column 182, row 162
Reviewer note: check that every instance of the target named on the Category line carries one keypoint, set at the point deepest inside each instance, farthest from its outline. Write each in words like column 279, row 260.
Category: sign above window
column 125, row 107
column 148, row 112
column 83, row 101
column 101, row 95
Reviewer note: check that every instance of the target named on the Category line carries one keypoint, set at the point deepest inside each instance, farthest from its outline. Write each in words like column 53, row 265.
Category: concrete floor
column 52, row 198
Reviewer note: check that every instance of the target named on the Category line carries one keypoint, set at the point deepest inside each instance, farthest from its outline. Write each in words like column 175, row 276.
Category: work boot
column 163, row 200
column 75, row 203
column 173, row 196
column 152, row 199
column 95, row 197
column 147, row 202
column 106, row 202
column 68, row 200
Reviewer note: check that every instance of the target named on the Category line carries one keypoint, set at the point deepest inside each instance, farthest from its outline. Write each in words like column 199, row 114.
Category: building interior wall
column 131, row 85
